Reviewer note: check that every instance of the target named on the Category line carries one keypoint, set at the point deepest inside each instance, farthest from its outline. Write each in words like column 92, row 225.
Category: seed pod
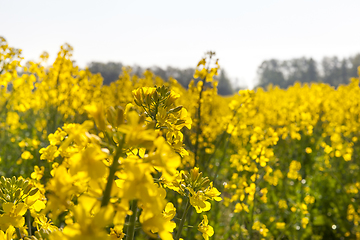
column 147, row 100
column 28, row 188
column 13, row 180
column 194, row 173
column 178, row 122
column 142, row 118
column 174, row 110
column 7, row 183
column 155, row 96
column 17, row 193
column 151, row 125
column 20, row 183
column 3, row 180
column 199, row 177
column 33, row 192
column 26, row 184
column 119, row 116
column 111, row 116
column 205, row 184
column 186, row 179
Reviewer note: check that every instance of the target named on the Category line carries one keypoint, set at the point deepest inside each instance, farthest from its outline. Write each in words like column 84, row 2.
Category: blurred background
column 258, row 42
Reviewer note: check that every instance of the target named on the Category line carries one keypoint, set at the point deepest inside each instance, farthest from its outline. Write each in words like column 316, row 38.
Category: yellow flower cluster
column 143, row 157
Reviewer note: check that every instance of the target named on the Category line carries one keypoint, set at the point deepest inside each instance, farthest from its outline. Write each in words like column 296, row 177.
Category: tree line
column 110, row 72
column 331, row 70
column 282, row 73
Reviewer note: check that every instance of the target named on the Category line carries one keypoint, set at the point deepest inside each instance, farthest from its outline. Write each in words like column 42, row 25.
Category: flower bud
column 17, row 193
column 3, row 180
column 26, row 184
column 8, row 184
column 205, row 183
column 111, row 115
column 174, row 110
column 13, row 180
column 28, row 188
column 119, row 116
column 33, row 192
column 194, row 173
column 20, row 183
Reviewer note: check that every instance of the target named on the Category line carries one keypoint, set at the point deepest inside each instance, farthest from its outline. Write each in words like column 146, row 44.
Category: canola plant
column 145, row 158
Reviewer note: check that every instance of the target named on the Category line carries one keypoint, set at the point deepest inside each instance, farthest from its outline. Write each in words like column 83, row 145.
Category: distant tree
column 183, row 76
column 331, row 70
column 299, row 70
column 344, row 71
column 224, row 86
column 312, row 74
column 354, row 63
column 270, row 72
column 109, row 71
column 137, row 70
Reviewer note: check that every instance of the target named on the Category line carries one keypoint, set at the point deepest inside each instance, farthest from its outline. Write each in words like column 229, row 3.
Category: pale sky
column 178, row 33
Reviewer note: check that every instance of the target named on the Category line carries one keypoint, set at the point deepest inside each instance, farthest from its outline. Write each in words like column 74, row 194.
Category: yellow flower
column 207, row 230
column 87, row 226
column 42, row 222
column 13, row 215
column 308, row 150
column 49, row 153
column 200, row 74
column 238, row 208
column 38, row 173
column 117, row 232
column 170, row 211
column 89, row 162
column 304, row 221
column 97, row 113
column 282, row 204
column 8, row 235
column 280, row 225
column 164, row 159
column 136, row 131
column 26, row 155
column 198, row 201
column 157, row 224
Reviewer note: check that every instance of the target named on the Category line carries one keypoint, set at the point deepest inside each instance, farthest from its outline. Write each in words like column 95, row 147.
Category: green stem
column 222, row 159
column 113, row 168
column 183, row 218
column 198, row 129
column 131, row 228
column 240, row 223
column 18, row 233
column 56, row 110
column 29, row 222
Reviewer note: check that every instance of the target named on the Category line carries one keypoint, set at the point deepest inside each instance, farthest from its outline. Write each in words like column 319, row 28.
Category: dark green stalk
column 18, row 233
column 56, row 110
column 113, row 168
column 131, row 228
column 240, row 231
column 29, row 222
column 198, row 129
column 182, row 221
column 222, row 158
